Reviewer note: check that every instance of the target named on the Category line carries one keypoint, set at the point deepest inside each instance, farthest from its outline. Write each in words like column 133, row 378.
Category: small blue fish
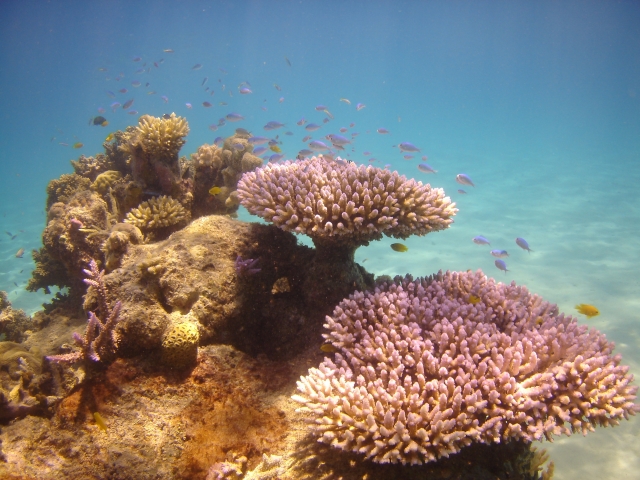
column 234, row 117
column 164, row 98
column 308, row 137
column 135, row 83
column 382, row 131
column 408, row 147
column 499, row 253
column 522, row 243
column 312, row 127
column 425, row 168
column 111, row 94
column 218, row 141
column 464, row 179
column 301, row 122
column 337, row 139
column 305, row 152
column 127, row 104
column 213, row 127
column 115, row 105
column 197, row 66
column 480, row 240
column 360, row 106
column 463, row 192
column 245, row 91
column 321, row 108
column 258, row 140
column 260, row 150
column 317, row 145
column 276, row 157
column 273, row 125
column 501, row 265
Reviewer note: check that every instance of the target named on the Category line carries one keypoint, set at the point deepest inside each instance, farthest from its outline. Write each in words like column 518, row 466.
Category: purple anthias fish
column 258, row 140
column 522, row 243
column 480, row 240
column 501, row 265
column 464, row 179
column 408, row 147
column 273, row 125
column 312, row 127
column 382, row 131
column 499, row 253
column 260, row 150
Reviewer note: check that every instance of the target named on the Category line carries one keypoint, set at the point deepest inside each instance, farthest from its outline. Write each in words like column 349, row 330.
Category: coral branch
column 100, row 341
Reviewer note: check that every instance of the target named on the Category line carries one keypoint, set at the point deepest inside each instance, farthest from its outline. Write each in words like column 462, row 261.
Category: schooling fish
column 360, row 106
column 20, row 253
column 234, row 117
column 127, row 104
column 464, row 179
column 501, row 265
column 522, row 243
column 499, row 253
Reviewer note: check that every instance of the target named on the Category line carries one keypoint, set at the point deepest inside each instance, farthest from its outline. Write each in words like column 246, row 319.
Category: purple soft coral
column 245, row 267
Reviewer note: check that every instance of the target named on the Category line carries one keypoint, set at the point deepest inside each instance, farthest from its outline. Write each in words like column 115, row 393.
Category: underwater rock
column 13, row 323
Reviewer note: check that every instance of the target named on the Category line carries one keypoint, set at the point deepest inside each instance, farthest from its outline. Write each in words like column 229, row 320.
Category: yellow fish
column 78, row 145
column 215, row 190
column 588, row 310
column 100, row 421
column 473, row 299
column 328, row 348
column 110, row 137
column 275, row 148
column 399, row 247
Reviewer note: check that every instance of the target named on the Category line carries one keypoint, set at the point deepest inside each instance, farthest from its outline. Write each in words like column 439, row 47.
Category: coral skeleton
column 424, row 368
column 100, row 340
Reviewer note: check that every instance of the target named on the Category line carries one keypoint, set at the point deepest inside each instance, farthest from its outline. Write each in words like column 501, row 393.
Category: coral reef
column 221, row 167
column 13, row 323
column 19, row 366
column 342, row 204
column 422, row 371
column 153, row 148
column 92, row 167
column 65, row 187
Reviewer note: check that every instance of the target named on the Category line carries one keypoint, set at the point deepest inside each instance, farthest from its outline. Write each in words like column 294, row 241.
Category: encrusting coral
column 338, row 203
column 427, row 367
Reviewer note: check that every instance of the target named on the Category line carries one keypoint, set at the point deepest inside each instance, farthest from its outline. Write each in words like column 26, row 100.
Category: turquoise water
column 538, row 102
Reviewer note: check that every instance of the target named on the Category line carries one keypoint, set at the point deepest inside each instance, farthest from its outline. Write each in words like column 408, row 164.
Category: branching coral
column 343, row 204
column 100, row 341
column 429, row 366
column 156, row 213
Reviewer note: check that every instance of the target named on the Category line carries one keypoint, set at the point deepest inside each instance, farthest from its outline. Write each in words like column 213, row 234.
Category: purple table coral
column 342, row 204
column 429, row 366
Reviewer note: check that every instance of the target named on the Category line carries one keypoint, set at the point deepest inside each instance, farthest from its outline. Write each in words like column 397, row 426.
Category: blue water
column 538, row 102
